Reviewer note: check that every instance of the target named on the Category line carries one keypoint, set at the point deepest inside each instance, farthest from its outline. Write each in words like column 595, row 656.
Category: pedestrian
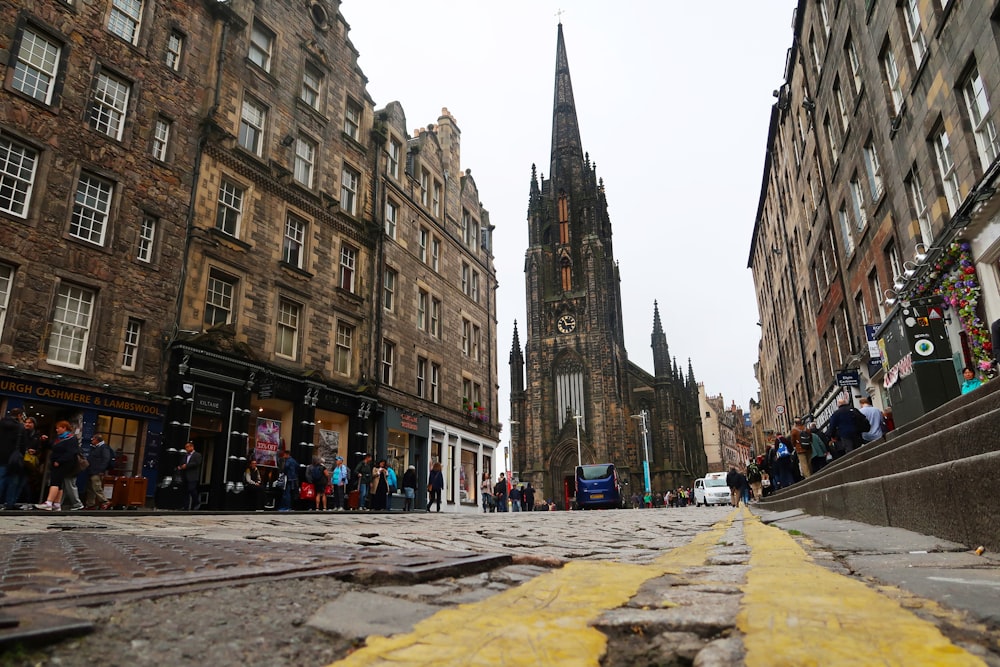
column 62, row 463
column 486, row 491
column 12, row 450
column 409, row 488
column 528, row 498
column 317, row 476
column 803, row 451
column 252, row 482
column 515, row 498
column 390, row 477
column 35, row 451
column 338, row 479
column 970, row 381
column 818, row 449
column 845, row 428
column 363, row 475
column 755, row 477
column 733, row 482
column 190, row 472
column 500, row 493
column 876, row 424
column 435, row 485
column 288, row 467
column 782, row 464
column 380, row 486
column 888, row 424
column 99, row 460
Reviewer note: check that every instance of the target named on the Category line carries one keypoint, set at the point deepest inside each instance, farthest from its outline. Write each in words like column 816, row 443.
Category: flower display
column 953, row 278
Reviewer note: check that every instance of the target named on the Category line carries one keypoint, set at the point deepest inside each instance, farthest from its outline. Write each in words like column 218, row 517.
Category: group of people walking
column 51, row 474
column 504, row 496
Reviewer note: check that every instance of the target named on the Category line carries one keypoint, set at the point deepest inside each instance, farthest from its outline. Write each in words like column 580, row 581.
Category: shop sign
column 85, row 399
column 208, row 404
column 848, row 379
column 409, row 421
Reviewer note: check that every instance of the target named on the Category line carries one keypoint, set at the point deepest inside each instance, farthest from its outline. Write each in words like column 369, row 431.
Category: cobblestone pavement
column 308, row 588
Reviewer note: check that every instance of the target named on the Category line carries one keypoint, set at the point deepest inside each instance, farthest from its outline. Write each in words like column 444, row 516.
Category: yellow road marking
column 795, row 612
column 545, row 620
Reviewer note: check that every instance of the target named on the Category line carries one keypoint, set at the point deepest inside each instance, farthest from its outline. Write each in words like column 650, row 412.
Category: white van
column 711, row 490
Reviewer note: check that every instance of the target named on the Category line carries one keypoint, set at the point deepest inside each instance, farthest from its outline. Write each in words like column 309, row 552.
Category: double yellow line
column 793, row 612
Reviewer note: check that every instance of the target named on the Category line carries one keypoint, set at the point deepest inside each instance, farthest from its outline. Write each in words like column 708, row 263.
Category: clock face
column 566, row 324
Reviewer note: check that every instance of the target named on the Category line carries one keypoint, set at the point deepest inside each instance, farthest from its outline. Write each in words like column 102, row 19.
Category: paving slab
column 358, row 615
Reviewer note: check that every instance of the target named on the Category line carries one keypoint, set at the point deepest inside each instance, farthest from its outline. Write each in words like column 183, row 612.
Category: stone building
column 99, row 127
column 712, row 429
column 217, row 180
column 435, row 308
column 876, row 239
column 575, row 397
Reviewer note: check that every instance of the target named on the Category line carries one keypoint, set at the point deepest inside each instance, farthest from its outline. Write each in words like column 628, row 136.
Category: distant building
column 875, row 241
column 574, row 393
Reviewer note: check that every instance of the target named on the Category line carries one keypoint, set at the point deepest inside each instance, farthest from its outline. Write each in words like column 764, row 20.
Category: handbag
column 31, row 461
column 307, row 491
column 16, row 462
column 329, row 490
column 81, row 463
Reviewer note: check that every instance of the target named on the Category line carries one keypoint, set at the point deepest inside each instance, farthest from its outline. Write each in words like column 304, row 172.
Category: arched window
column 566, row 273
column 563, row 219
column 569, row 388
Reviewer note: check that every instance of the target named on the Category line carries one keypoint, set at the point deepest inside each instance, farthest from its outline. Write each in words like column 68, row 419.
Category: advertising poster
column 268, row 442
column 329, row 443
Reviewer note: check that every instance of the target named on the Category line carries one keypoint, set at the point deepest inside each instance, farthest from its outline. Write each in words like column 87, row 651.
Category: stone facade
column 573, row 391
column 881, row 162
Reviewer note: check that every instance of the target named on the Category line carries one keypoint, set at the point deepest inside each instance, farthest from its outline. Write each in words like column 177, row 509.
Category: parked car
column 711, row 490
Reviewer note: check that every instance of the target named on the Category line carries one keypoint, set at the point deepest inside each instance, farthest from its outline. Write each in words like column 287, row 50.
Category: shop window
column 467, row 486
column 122, row 435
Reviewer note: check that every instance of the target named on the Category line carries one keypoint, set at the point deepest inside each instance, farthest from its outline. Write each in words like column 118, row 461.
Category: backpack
column 861, row 423
column 753, row 473
column 316, row 475
column 783, row 450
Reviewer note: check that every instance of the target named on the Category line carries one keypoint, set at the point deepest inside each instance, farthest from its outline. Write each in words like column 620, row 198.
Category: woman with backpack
column 317, row 476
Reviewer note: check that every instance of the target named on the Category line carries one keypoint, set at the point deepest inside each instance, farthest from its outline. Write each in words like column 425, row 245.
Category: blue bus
column 597, row 486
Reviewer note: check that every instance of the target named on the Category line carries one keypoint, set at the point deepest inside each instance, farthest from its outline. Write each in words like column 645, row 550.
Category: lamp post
column 645, row 448
column 510, row 450
column 579, row 456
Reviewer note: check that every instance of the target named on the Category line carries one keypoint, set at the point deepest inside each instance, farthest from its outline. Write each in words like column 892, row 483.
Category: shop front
column 464, row 457
column 132, row 427
column 234, row 410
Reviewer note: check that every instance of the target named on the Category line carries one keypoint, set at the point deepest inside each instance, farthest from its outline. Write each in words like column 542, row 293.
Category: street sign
column 779, row 409
column 848, row 379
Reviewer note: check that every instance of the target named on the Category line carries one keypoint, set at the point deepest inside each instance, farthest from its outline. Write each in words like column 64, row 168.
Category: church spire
column 516, row 362
column 661, row 351
column 567, row 148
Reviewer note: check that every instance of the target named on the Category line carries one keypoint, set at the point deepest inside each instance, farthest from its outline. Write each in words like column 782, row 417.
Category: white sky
column 673, row 100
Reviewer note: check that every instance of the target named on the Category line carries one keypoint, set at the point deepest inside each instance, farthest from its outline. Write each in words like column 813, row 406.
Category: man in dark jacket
column 500, row 493
column 843, row 428
column 190, row 470
column 99, row 460
column 11, row 458
column 735, row 487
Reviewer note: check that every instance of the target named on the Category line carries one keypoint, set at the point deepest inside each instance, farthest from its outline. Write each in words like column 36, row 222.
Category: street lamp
column 579, row 456
column 645, row 447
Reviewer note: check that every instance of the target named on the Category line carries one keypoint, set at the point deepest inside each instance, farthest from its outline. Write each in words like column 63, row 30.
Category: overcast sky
column 673, row 100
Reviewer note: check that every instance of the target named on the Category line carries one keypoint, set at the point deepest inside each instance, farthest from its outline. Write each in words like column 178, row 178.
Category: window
column 920, row 208
column 436, row 199
column 17, row 176
column 252, row 120
column 838, row 94
column 175, row 49
column 352, row 119
column 219, row 299
column 911, row 13
column 91, row 209
column 436, row 318
column 395, row 150
column 107, row 112
column 855, row 64
column 124, row 19
column 425, row 179
column 424, row 234
column 422, row 298
column 388, row 356
column 861, row 309
column 348, row 260
column 147, row 238
column 389, row 289
column 469, row 229
column 875, row 285
column 391, row 217
column 130, row 344
column 892, row 260
column 845, row 230
column 435, row 252
column 312, row 86
column 286, row 343
column 305, row 158
column 857, row 204
column 435, row 383
column 475, row 286
column 261, row 45
column 891, row 73
column 227, row 216
column 874, row 170
column 421, row 377
column 477, row 338
column 70, row 326
column 294, row 242
column 161, row 138
column 342, row 352
column 946, row 170
column 466, row 337
column 35, row 69
column 814, row 50
column 824, row 16
column 466, row 279
column 832, row 138
column 349, row 182
column 974, row 92
column 6, row 287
